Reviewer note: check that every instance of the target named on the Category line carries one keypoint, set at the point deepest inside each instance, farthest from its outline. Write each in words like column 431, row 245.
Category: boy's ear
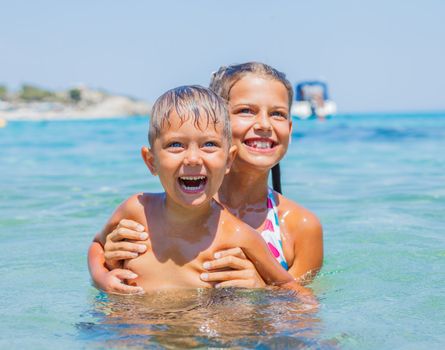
column 149, row 159
column 233, row 150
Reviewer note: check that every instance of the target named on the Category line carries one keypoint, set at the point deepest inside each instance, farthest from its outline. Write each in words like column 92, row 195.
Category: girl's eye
column 279, row 114
column 245, row 111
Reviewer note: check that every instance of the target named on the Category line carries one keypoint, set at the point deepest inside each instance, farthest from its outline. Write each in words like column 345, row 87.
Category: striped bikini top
column 271, row 232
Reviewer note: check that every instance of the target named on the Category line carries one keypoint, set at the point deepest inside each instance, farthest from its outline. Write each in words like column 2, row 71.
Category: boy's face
column 191, row 162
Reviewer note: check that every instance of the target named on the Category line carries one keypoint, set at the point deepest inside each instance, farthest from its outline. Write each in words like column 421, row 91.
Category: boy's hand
column 113, row 282
column 241, row 272
column 117, row 249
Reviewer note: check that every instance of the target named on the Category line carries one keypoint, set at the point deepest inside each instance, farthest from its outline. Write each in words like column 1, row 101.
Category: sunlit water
column 377, row 183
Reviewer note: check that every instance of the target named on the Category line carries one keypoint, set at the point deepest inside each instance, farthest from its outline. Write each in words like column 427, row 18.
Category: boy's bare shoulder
column 297, row 219
column 131, row 204
column 134, row 206
column 236, row 229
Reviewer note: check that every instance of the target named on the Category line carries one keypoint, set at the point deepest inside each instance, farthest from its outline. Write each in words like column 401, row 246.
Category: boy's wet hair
column 223, row 80
column 190, row 101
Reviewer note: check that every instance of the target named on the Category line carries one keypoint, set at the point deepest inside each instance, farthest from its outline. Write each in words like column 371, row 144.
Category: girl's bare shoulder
column 295, row 218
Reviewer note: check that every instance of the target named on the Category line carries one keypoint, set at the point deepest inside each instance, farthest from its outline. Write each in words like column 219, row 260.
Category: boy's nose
column 192, row 158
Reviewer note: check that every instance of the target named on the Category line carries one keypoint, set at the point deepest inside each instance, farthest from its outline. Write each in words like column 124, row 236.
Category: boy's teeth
column 192, row 178
column 193, row 183
column 193, row 188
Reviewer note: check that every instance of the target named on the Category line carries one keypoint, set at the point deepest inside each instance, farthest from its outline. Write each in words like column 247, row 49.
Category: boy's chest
column 174, row 263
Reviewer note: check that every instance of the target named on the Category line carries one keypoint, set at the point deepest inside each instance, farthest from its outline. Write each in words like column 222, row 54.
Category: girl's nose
column 262, row 122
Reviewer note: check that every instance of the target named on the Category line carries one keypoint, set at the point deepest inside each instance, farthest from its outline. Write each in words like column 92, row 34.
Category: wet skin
column 261, row 130
column 191, row 164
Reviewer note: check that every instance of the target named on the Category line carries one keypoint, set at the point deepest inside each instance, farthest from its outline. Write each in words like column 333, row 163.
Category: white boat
column 312, row 101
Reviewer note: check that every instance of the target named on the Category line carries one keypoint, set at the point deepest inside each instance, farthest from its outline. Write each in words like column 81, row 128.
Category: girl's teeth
column 259, row 144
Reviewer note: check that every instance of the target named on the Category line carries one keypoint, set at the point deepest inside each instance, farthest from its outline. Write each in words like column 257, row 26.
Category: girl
column 259, row 99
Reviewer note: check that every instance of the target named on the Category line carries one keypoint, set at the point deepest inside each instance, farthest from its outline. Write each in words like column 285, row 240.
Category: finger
column 122, row 233
column 132, row 225
column 230, row 261
column 125, row 246
column 238, row 252
column 121, row 288
column 225, row 275
column 237, row 284
column 124, row 274
column 120, row 255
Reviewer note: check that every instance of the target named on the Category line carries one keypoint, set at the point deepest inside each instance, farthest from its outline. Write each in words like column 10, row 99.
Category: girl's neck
column 242, row 187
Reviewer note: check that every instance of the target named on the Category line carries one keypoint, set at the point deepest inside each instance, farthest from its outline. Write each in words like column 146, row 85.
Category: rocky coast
column 33, row 103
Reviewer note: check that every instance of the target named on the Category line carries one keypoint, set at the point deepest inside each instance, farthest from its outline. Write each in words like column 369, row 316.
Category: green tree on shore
column 75, row 95
column 3, row 92
column 33, row 93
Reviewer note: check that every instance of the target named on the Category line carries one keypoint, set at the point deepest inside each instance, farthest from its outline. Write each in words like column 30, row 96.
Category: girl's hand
column 239, row 271
column 117, row 249
column 113, row 282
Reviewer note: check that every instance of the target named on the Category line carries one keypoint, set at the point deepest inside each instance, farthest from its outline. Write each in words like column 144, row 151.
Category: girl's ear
column 149, row 160
column 290, row 130
column 233, row 150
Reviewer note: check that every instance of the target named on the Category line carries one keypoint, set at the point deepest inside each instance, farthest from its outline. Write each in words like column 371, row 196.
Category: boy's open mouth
column 260, row 144
column 192, row 184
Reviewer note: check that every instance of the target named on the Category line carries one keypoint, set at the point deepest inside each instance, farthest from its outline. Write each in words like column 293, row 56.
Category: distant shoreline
column 79, row 103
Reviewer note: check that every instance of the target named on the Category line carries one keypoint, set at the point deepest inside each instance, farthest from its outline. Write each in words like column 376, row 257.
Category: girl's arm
column 306, row 235
column 305, row 231
column 231, row 268
column 109, row 281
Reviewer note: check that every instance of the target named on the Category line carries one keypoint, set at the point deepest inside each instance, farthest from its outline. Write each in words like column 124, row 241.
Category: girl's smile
column 260, row 144
column 261, row 126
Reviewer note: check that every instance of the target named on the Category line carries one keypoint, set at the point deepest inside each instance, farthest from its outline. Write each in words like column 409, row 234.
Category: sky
column 376, row 56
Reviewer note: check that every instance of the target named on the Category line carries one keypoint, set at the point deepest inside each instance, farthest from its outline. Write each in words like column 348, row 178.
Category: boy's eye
column 210, row 144
column 174, row 145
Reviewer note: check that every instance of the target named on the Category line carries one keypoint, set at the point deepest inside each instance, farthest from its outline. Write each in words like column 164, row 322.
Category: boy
column 190, row 151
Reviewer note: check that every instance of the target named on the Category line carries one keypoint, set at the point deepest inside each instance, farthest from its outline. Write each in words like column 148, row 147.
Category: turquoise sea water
column 377, row 182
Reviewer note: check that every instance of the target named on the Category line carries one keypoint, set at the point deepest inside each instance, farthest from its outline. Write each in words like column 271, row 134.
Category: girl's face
column 261, row 124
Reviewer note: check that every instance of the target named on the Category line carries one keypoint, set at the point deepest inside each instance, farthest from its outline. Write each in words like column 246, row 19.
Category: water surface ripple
column 377, row 183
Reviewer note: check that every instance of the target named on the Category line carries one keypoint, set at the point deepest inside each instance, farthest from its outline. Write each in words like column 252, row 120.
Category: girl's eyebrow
column 244, row 104
column 253, row 104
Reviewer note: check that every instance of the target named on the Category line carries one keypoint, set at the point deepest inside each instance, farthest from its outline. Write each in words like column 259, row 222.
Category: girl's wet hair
column 191, row 101
column 223, row 80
